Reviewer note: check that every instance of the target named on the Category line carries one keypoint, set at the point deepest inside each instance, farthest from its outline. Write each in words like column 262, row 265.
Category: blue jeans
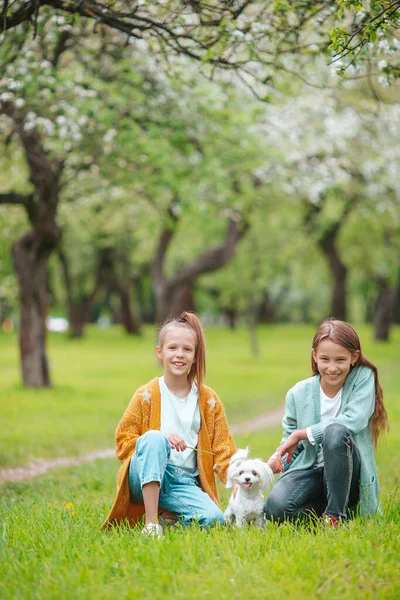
column 179, row 490
column 331, row 489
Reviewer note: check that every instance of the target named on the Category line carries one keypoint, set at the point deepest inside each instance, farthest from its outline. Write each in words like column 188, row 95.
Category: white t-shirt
column 181, row 416
column 330, row 408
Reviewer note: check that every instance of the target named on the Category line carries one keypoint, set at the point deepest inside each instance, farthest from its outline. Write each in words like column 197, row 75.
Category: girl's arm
column 129, row 428
column 222, row 445
column 288, row 449
column 290, row 439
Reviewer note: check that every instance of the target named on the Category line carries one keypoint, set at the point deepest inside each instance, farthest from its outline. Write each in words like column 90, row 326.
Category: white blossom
column 6, row 97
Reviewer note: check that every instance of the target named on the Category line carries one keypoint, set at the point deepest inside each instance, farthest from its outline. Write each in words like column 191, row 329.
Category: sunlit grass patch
column 52, row 547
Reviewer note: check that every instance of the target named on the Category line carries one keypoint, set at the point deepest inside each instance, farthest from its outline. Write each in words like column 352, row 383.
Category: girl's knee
column 334, row 435
column 277, row 507
column 274, row 511
column 152, row 437
column 211, row 517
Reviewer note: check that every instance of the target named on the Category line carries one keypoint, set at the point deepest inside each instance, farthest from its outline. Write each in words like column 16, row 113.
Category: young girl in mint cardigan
column 331, row 425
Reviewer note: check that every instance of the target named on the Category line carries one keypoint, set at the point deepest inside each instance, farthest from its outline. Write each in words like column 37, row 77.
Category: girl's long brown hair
column 191, row 321
column 343, row 334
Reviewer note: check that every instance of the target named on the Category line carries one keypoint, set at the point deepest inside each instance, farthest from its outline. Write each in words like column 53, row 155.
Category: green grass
column 47, row 552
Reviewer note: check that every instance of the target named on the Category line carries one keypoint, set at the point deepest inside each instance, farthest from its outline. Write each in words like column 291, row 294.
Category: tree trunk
column 384, row 310
column 119, row 287
column 161, row 302
column 253, row 323
column 180, row 300
column 327, row 242
column 79, row 310
column 30, row 258
column 79, row 313
column 128, row 317
column 164, row 289
column 266, row 310
column 31, row 252
column 231, row 317
column 339, row 274
column 396, row 310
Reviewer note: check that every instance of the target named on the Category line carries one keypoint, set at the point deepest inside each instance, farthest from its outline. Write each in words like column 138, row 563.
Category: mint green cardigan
column 358, row 403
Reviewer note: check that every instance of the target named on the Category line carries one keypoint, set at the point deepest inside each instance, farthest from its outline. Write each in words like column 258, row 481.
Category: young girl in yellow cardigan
column 173, row 438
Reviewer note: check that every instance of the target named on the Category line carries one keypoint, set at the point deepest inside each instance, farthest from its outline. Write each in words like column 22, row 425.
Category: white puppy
column 253, row 476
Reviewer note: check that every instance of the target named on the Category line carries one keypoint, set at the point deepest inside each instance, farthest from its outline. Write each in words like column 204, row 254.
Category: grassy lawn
column 50, row 543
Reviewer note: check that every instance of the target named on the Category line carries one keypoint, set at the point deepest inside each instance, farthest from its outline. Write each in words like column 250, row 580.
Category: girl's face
column 333, row 362
column 178, row 351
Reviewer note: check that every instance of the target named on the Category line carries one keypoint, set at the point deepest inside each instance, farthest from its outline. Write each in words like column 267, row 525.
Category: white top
column 181, row 416
column 330, row 408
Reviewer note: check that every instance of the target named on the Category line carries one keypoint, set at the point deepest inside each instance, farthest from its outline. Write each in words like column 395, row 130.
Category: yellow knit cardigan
column 142, row 414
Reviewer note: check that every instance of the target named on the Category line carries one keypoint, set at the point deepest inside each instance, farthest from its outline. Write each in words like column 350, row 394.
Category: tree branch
column 12, row 198
column 213, row 259
column 60, row 47
column 157, row 266
column 20, row 16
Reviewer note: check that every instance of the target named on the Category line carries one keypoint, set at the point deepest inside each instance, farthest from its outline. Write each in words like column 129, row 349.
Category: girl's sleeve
column 289, row 424
column 358, row 410
column 130, row 428
column 289, row 421
column 223, row 445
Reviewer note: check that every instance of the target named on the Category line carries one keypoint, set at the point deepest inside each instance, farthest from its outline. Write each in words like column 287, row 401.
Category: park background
column 239, row 159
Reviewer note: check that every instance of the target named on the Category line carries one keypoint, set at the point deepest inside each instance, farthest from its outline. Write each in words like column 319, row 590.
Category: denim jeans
column 331, row 489
column 179, row 490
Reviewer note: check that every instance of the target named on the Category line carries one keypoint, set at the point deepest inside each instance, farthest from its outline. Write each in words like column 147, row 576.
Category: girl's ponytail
column 380, row 421
column 198, row 369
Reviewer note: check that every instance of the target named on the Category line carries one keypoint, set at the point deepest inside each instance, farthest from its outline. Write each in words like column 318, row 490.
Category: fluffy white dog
column 253, row 476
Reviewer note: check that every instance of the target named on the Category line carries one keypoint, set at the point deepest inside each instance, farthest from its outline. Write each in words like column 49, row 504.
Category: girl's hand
column 289, row 447
column 277, row 467
column 177, row 442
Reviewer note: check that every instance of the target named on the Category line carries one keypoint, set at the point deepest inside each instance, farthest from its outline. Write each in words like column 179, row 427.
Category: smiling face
column 248, row 475
column 177, row 352
column 333, row 363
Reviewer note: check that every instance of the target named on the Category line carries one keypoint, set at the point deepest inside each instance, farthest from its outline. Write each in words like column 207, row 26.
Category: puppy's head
column 249, row 472
column 236, row 460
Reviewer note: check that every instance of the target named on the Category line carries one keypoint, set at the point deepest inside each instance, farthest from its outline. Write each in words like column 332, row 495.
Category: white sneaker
column 153, row 530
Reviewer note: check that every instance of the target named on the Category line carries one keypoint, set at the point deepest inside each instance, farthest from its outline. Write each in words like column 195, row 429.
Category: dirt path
column 40, row 467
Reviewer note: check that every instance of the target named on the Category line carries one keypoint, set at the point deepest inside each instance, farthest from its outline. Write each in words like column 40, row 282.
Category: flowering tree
column 54, row 118
column 327, row 221
column 253, row 37
column 57, row 98
column 189, row 163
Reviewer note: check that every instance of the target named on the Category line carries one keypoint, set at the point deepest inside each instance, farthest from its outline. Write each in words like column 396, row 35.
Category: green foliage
column 137, row 134
column 339, row 37
column 13, row 223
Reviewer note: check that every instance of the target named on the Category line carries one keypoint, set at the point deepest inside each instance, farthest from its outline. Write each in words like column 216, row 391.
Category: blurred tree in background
column 152, row 179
